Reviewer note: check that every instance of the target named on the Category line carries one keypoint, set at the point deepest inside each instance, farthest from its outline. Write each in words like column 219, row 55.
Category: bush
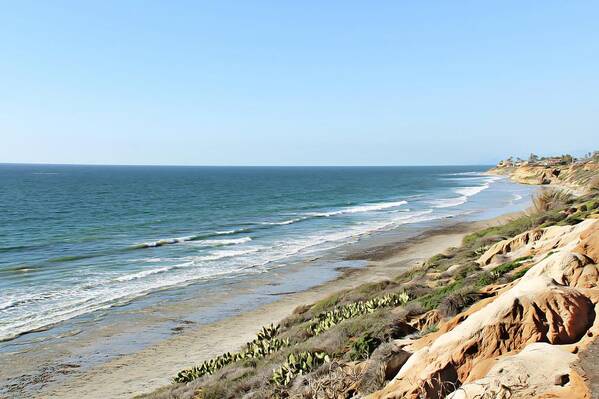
column 508, row 266
column 485, row 279
column 432, row 300
column 520, row 273
column 413, row 309
column 549, row 199
column 430, row 329
column 467, row 270
column 362, row 347
column 298, row 364
column 497, row 233
column 550, row 218
column 457, row 302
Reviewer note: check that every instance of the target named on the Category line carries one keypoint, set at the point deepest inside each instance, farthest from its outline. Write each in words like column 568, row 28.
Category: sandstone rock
column 589, row 244
column 521, row 342
column 426, row 321
column 537, row 310
column 541, row 241
column 519, row 376
column 567, row 268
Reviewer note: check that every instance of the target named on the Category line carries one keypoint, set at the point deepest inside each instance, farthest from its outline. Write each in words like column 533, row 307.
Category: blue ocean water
column 77, row 239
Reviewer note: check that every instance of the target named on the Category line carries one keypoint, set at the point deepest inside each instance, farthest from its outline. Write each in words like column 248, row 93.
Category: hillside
column 574, row 175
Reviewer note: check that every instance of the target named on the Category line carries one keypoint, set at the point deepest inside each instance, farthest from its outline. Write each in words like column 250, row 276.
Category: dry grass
column 549, row 199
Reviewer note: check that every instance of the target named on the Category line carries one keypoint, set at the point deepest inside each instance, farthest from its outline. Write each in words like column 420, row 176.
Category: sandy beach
column 154, row 366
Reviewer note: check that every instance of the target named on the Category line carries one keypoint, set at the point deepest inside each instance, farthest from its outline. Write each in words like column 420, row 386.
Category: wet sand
column 154, row 366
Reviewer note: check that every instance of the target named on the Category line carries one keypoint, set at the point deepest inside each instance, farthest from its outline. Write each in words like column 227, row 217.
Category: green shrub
column 362, row 347
column 467, row 270
column 509, row 229
column 430, row 329
column 298, row 364
column 520, row 273
column 508, row 267
column 457, row 302
column 432, row 300
column 484, row 279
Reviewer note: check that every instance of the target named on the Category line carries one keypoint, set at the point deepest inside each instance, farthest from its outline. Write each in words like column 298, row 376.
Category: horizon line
column 236, row 166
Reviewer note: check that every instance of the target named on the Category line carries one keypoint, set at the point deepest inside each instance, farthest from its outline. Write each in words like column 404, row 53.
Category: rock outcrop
column 522, row 371
column 540, row 242
column 524, row 341
column 575, row 176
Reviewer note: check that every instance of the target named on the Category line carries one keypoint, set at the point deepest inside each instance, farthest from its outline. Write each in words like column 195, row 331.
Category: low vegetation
column 298, row 364
column 264, row 344
column 326, row 320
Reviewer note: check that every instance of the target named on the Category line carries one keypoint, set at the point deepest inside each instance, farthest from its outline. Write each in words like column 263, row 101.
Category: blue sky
column 297, row 83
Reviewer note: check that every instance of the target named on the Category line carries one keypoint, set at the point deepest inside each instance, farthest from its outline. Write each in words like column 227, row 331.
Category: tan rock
column 589, row 244
column 537, row 310
column 555, row 302
column 542, row 241
column 519, row 376
column 426, row 321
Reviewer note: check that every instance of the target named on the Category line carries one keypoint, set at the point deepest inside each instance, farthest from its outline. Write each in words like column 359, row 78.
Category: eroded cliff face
column 575, row 176
column 527, row 338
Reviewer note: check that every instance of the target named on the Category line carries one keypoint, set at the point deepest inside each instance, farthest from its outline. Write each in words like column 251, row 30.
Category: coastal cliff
column 511, row 313
column 574, row 175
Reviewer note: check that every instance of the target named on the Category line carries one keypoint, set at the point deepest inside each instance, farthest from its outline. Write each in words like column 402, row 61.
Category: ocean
column 80, row 242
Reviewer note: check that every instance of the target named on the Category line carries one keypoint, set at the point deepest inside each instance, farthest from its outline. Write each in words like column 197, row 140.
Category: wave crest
column 361, row 208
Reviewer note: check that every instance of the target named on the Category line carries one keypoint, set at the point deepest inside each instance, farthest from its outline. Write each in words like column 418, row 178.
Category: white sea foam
column 177, row 240
column 464, row 192
column 165, row 241
column 470, row 191
column 221, row 255
column 465, row 174
column 229, row 232
column 7, row 304
column 66, row 303
column 449, row 202
column 220, row 243
column 284, row 222
column 142, row 274
column 361, row 208
column 349, row 210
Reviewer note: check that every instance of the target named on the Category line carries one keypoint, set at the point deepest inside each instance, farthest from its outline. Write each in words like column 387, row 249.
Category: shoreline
column 152, row 367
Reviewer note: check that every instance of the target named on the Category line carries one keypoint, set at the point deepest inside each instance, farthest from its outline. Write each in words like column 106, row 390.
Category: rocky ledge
column 527, row 339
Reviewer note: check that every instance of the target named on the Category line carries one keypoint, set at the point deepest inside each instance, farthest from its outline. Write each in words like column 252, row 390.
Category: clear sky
column 297, row 83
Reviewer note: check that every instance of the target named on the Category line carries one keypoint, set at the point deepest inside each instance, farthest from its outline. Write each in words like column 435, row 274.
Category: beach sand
column 154, row 366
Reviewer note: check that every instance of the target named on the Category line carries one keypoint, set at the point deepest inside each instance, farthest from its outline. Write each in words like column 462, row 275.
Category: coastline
column 152, row 367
